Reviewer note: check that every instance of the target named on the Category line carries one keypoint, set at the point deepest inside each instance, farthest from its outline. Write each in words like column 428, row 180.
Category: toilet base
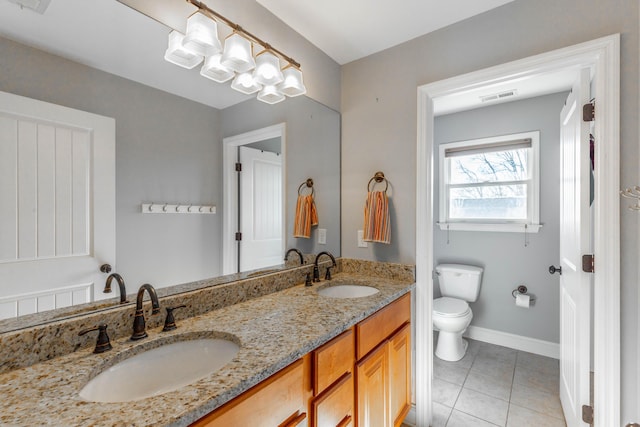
column 451, row 347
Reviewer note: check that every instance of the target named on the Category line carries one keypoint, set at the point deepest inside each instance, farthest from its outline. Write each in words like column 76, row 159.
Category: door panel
column 575, row 293
column 261, row 209
column 58, row 205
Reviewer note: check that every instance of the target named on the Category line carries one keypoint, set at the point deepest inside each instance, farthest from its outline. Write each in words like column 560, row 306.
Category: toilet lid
column 450, row 307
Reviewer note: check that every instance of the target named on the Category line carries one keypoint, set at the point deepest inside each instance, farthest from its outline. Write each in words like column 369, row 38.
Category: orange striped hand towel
column 377, row 222
column 306, row 216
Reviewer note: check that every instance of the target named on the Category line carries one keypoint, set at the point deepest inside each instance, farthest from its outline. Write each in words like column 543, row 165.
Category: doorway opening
column 602, row 56
column 254, row 220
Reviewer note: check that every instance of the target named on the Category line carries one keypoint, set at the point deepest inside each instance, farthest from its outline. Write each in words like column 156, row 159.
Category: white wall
column 379, row 106
column 506, row 261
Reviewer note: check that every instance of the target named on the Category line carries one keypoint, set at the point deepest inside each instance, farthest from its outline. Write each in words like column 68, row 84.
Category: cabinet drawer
column 335, row 406
column 380, row 325
column 332, row 360
column 279, row 400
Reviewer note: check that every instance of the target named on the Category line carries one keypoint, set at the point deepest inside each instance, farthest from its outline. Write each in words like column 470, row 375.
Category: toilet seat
column 450, row 307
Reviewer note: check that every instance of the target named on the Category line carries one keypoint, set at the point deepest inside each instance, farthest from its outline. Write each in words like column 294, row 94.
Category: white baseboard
column 410, row 419
column 517, row 342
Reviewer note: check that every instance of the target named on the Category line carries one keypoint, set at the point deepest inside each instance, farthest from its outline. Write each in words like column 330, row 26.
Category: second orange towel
column 306, row 216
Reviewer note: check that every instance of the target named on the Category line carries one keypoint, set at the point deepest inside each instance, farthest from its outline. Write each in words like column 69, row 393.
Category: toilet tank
column 459, row 281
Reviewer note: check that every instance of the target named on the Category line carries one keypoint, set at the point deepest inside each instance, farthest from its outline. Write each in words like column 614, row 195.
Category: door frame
column 230, row 188
column 603, row 56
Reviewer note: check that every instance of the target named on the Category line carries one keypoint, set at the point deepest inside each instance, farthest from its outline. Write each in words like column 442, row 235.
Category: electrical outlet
column 361, row 242
column 322, row 236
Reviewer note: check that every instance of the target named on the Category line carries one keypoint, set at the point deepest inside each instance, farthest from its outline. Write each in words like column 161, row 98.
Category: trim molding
column 516, row 342
column 603, row 55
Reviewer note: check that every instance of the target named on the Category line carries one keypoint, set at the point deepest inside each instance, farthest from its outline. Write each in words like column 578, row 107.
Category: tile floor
column 496, row 386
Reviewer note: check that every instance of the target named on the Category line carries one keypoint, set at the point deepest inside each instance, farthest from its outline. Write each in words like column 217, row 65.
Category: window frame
column 529, row 225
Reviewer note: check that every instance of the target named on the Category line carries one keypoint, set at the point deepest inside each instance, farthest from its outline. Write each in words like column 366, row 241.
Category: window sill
column 505, row 227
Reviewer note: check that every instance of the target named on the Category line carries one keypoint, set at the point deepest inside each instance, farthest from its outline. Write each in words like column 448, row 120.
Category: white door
column 575, row 293
column 261, row 209
column 57, row 210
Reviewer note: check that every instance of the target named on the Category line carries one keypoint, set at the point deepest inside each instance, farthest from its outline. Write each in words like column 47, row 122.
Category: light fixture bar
column 237, row 28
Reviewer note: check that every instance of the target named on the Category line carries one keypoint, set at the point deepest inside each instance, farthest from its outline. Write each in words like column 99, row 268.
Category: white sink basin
column 160, row 370
column 347, row 291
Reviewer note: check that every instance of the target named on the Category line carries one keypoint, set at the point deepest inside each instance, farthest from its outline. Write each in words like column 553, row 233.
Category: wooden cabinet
column 332, row 360
column 280, row 400
column 362, row 377
column 379, row 326
column 383, row 376
column 400, row 375
column 371, row 390
column 334, row 407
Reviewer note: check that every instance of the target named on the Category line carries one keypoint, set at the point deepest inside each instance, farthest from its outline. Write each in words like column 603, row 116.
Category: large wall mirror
column 168, row 149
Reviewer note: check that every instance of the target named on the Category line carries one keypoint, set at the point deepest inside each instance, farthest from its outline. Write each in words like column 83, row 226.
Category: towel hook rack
column 309, row 184
column 633, row 194
column 378, row 177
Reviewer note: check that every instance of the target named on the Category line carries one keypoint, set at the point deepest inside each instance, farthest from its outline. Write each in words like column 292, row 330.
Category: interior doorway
column 254, row 199
column 602, row 56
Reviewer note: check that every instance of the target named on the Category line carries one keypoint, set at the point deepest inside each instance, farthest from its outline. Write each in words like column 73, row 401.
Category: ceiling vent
column 38, row 6
column 497, row 96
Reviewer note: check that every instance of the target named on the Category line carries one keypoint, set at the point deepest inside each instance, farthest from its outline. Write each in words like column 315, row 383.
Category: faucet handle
column 307, row 281
column 102, row 344
column 170, row 321
column 327, row 275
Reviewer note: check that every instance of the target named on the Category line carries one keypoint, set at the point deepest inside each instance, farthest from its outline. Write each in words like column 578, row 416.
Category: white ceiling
column 107, row 35
column 353, row 29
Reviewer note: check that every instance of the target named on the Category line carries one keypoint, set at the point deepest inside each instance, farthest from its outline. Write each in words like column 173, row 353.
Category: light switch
column 322, row 236
column 361, row 242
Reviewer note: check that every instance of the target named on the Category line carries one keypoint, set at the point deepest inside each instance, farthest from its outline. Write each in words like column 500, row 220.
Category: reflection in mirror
column 169, row 149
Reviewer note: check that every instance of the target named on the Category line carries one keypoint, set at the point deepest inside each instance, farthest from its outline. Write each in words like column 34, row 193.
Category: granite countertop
column 272, row 330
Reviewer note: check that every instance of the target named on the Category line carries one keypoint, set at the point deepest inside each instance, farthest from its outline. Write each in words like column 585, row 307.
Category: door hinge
column 588, row 263
column 238, row 167
column 238, row 236
column 589, row 112
column 587, row 414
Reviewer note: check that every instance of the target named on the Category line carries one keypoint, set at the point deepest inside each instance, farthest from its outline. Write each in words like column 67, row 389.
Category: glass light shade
column 201, row 37
column 267, row 70
column 292, row 84
column 270, row 94
column 245, row 83
column 237, row 54
column 176, row 54
column 214, row 70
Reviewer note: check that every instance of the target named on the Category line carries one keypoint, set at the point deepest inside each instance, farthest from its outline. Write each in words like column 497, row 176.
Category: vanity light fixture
column 262, row 73
column 238, row 54
column 179, row 55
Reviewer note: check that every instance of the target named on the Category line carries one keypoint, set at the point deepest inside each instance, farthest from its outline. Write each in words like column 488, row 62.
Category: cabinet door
column 279, row 400
column 372, row 397
column 334, row 407
column 332, row 360
column 400, row 375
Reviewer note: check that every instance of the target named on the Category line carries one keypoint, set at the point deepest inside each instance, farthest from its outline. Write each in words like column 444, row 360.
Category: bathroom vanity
column 366, row 368
column 303, row 359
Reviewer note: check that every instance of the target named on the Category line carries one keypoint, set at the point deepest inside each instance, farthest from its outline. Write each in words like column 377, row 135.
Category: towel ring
column 309, row 184
column 378, row 177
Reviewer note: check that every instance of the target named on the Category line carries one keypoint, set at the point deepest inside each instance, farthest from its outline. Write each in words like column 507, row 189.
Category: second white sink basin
column 160, row 370
column 348, row 291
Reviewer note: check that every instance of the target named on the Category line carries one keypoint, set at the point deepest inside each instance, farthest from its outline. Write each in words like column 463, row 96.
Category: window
column 490, row 184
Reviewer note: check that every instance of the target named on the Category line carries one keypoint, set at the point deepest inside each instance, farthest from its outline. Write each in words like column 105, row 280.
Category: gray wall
column 166, row 151
column 379, row 105
column 506, row 261
column 313, row 151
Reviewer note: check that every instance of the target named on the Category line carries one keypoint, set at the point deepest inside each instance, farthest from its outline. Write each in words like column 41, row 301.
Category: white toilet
column 452, row 315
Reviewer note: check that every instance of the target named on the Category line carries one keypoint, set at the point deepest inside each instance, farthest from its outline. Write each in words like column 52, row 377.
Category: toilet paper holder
column 522, row 290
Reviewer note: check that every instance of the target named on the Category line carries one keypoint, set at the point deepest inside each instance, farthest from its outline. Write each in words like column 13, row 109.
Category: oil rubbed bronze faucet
column 139, row 325
column 316, row 271
column 120, row 280
column 296, row 251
